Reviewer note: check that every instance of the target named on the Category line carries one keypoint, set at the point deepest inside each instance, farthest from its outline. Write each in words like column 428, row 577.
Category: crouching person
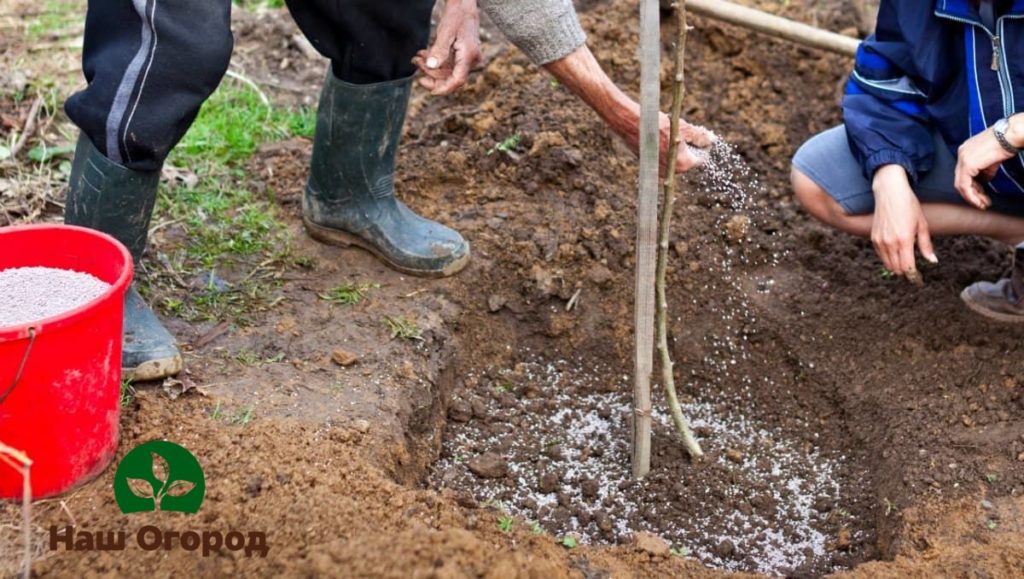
column 931, row 141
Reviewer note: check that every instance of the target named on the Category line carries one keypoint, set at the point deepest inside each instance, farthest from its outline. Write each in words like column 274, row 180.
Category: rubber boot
column 1002, row 300
column 350, row 196
column 105, row 196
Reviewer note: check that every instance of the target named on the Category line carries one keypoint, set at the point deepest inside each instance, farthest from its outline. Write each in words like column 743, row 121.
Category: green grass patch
column 223, row 224
column 56, row 17
column 258, row 4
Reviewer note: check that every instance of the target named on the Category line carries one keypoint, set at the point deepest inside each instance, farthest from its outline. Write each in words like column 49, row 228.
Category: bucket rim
column 55, row 322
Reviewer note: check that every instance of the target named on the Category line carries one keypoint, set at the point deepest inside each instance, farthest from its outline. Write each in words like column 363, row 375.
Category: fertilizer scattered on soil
column 557, row 441
column 28, row 294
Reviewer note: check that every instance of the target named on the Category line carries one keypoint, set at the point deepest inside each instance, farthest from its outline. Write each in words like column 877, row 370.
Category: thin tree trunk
column 668, row 201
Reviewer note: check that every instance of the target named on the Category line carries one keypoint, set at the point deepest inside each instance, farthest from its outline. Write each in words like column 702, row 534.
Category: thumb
column 439, row 52
column 924, row 243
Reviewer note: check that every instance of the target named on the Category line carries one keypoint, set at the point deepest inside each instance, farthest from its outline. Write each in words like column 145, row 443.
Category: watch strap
column 999, row 129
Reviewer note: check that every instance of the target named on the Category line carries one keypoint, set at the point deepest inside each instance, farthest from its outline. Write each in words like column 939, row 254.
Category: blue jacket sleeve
column 885, row 114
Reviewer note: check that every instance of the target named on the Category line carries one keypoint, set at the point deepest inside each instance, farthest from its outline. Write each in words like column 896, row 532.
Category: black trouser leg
column 150, row 64
column 368, row 41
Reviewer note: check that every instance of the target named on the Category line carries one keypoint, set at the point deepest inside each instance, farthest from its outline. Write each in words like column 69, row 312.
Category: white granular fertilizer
column 29, row 294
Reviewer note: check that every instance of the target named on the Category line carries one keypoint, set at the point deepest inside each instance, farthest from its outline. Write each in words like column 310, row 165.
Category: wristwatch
column 1000, row 128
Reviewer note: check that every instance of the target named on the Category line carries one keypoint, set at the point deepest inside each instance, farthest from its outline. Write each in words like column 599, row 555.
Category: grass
column 403, row 328
column 225, row 225
column 505, row 523
column 507, row 146
column 56, row 17
column 349, row 294
column 127, row 393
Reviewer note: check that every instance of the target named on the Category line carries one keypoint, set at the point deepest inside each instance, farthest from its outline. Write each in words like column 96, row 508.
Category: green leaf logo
column 159, row 476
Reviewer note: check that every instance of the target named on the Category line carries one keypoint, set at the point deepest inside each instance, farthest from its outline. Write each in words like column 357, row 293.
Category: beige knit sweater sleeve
column 546, row 30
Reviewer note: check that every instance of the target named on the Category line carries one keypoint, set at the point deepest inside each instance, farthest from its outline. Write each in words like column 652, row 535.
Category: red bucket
column 63, row 410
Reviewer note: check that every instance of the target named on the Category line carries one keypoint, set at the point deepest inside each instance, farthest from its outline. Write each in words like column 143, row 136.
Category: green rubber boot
column 350, row 196
column 105, row 196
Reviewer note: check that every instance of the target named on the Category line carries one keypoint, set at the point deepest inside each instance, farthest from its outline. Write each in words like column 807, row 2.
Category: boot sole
column 344, row 239
column 1006, row 318
column 153, row 370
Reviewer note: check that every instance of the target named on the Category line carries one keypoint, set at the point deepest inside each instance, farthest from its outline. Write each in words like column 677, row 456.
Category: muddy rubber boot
column 350, row 196
column 118, row 201
column 1002, row 300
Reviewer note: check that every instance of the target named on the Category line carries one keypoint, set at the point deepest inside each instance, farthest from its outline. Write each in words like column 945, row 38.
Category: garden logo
column 159, row 476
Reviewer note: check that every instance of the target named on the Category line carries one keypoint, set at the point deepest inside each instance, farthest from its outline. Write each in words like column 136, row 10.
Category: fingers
column 924, row 243
column 465, row 58
column 696, row 135
column 966, row 182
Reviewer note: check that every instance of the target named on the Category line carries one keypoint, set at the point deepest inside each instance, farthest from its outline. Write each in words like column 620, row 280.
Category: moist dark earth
column 851, row 421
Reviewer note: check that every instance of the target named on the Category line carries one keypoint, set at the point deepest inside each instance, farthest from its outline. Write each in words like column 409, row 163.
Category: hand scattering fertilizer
column 61, row 306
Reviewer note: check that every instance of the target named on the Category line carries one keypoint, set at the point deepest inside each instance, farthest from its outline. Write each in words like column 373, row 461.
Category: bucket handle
column 21, row 366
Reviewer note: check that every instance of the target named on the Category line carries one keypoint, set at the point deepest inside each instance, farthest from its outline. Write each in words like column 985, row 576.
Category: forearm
column 581, row 74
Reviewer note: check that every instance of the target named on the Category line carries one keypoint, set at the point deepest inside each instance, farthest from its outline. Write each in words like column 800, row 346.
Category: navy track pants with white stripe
column 150, row 64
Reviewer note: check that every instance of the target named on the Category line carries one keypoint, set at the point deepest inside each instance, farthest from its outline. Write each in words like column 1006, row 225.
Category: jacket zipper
column 997, row 53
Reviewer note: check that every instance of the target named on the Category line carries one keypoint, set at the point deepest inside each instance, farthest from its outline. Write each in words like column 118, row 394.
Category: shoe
column 105, row 196
column 350, row 196
column 1002, row 300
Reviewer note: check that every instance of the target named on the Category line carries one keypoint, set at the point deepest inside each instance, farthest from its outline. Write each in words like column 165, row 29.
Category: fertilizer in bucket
column 62, row 294
column 30, row 294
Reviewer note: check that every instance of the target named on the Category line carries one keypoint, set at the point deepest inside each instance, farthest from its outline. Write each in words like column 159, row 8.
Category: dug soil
column 852, row 423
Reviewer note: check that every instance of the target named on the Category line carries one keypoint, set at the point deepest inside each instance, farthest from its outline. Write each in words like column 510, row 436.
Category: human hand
column 978, row 160
column 693, row 136
column 446, row 64
column 898, row 223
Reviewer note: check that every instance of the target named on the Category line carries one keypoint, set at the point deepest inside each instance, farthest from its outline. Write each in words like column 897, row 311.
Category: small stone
column 361, row 426
column 736, row 229
column 488, row 465
column 466, row 500
column 681, row 248
column 844, row 539
column 725, row 549
column 603, row 521
column 650, row 543
column 460, row 411
column 556, row 452
column 495, row 303
column 549, row 482
column 734, row 455
column 1020, row 457
column 987, row 505
column 343, row 357
column 967, row 421
column 589, row 488
column 599, row 274
column 823, row 504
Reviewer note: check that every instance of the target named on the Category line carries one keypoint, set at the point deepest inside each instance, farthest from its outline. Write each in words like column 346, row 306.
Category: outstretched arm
column 581, row 73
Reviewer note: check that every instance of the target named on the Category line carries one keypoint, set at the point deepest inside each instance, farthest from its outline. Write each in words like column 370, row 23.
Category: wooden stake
column 647, row 216
column 775, row 26
column 667, row 204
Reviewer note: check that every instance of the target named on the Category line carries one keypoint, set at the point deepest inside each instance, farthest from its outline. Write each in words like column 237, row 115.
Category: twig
column 20, row 461
column 668, row 201
column 29, row 127
column 251, row 84
column 646, row 234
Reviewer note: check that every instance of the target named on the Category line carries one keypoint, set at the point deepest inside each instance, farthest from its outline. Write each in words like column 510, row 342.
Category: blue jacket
column 934, row 66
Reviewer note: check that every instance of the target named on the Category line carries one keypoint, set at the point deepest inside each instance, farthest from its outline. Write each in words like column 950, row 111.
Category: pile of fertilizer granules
column 29, row 294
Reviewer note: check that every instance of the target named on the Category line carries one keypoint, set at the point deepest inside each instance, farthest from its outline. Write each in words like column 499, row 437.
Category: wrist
column 889, row 178
column 1015, row 130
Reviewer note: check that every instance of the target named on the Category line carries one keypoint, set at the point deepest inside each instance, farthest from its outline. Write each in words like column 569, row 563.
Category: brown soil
column 912, row 401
